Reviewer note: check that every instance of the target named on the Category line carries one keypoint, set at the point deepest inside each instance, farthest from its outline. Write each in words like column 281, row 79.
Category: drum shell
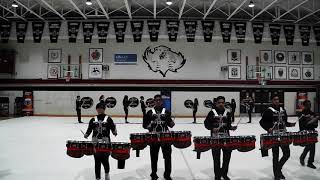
column 182, row 139
column 138, row 141
column 247, row 143
column 120, row 151
column 74, row 149
column 202, row 144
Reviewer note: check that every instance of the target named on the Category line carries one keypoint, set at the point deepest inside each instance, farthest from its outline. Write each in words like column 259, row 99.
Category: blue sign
column 125, row 59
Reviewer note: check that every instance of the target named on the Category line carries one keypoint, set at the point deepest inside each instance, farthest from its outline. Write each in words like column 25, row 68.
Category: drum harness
column 158, row 120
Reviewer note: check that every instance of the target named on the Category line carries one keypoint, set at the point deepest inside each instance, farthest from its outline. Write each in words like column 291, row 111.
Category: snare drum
column 182, row 139
column 152, row 138
column 120, row 152
column 285, row 139
column 247, row 143
column 74, row 149
column 217, row 142
column 231, row 142
column 138, row 141
column 202, row 143
column 166, row 138
column 87, row 147
column 267, row 141
column 103, row 147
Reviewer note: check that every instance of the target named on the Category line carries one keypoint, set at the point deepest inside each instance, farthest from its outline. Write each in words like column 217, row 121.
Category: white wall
column 12, row 96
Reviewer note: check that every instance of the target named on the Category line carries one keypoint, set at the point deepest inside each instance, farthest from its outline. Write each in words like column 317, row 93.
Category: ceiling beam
column 182, row 8
column 308, row 15
column 237, row 9
column 4, row 18
column 52, row 9
column 211, row 6
column 29, row 10
column 103, row 10
column 295, row 7
column 7, row 9
column 77, row 8
column 128, row 8
column 263, row 10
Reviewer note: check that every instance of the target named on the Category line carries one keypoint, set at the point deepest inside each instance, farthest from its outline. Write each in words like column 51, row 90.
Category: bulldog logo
column 162, row 59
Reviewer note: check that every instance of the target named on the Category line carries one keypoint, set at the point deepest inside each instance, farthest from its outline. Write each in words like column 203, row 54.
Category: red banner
column 301, row 97
column 27, row 103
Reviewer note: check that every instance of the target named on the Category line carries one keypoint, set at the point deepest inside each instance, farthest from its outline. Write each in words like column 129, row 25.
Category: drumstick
column 82, row 131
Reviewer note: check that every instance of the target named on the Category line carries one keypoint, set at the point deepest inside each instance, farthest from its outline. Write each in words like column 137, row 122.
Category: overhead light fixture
column 15, row 5
column 169, row 2
column 89, row 3
column 251, row 4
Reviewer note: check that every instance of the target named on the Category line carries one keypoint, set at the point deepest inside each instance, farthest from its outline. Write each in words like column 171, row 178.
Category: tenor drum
column 182, row 139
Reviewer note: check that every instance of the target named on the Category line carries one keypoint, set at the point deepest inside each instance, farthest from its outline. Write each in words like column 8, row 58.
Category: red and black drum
column 217, row 142
column 267, row 141
column 167, row 138
column 102, row 147
column 138, row 142
column 304, row 138
column 74, row 149
column 284, row 138
column 201, row 144
column 120, row 152
column 87, row 147
column 182, row 139
column 247, row 143
column 152, row 138
column 231, row 142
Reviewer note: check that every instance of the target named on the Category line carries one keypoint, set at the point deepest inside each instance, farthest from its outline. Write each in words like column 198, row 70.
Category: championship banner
column 289, row 33
column 21, row 30
column 190, row 27
column 154, row 26
column 54, row 28
column 166, row 97
column 120, row 30
column 173, row 28
column 301, row 97
column 137, row 30
column 37, row 28
column 28, row 103
column 275, row 30
column 226, row 28
column 73, row 29
column 88, row 28
column 207, row 28
column 257, row 29
column 241, row 28
column 5, row 29
column 103, row 28
column 316, row 30
column 305, row 34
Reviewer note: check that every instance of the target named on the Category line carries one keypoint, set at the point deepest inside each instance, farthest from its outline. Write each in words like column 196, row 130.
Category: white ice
column 33, row 148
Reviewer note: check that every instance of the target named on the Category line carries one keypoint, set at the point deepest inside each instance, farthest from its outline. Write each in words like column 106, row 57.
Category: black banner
column 37, row 28
column 257, row 29
column 137, row 30
column 21, row 30
column 73, row 29
column 275, row 30
column 289, row 33
column 54, row 28
column 5, row 29
column 305, row 34
column 226, row 28
column 120, row 30
column 207, row 28
column 191, row 27
column 316, row 30
column 241, row 29
column 103, row 28
column 88, row 28
column 173, row 28
column 154, row 26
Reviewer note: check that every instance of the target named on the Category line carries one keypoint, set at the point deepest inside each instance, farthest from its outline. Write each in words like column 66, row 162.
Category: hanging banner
column 226, row 28
column 257, row 29
column 54, row 28
column 301, row 97
column 28, row 103
column 137, row 30
column 289, row 33
column 166, row 98
column 173, row 28
column 21, row 30
column 190, row 27
column 305, row 34
column 103, row 28
column 275, row 30
column 316, row 30
column 37, row 28
column 120, row 30
column 5, row 28
column 88, row 28
column 207, row 28
column 154, row 26
column 73, row 29
column 241, row 28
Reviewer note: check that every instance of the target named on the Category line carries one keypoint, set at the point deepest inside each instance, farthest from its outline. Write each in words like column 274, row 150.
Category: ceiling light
column 89, row 3
column 169, row 2
column 15, row 5
column 251, row 4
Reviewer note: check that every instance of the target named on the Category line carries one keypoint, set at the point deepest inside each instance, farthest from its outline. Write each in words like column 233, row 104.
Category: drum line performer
column 158, row 119
column 275, row 120
column 79, row 103
column 101, row 125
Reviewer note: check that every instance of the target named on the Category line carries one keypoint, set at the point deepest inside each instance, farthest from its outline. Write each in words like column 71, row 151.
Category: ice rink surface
column 34, row 148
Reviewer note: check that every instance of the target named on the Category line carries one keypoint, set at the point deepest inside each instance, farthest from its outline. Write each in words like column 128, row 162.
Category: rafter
column 7, row 9
column 263, row 10
column 128, row 8
column 52, row 9
column 103, row 10
column 77, row 8
column 295, row 7
column 211, row 6
column 237, row 9
column 30, row 10
column 182, row 8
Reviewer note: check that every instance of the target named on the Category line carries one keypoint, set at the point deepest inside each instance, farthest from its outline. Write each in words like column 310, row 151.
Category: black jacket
column 233, row 106
column 269, row 118
column 304, row 118
column 212, row 120
column 125, row 103
column 78, row 104
column 163, row 118
column 106, row 126
column 143, row 105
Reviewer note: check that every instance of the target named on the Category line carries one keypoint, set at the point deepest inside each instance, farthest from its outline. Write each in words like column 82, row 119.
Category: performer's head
column 233, row 101
column 100, row 107
column 101, row 97
column 141, row 98
column 126, row 97
column 307, row 104
column 220, row 102
column 158, row 100
column 275, row 100
column 78, row 97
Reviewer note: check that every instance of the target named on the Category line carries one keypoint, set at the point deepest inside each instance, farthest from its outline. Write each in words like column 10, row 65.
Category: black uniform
column 195, row 110
column 250, row 108
column 158, row 120
column 213, row 121
column 126, row 103
column 233, row 110
column 143, row 107
column 305, row 117
column 78, row 108
column 101, row 126
column 269, row 120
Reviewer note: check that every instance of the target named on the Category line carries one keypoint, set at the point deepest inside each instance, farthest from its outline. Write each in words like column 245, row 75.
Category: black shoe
column 217, row 178
column 80, row 122
column 167, row 178
column 281, row 176
column 310, row 165
column 154, row 177
column 302, row 162
column 249, row 122
column 276, row 178
column 225, row 177
column 127, row 122
column 194, row 122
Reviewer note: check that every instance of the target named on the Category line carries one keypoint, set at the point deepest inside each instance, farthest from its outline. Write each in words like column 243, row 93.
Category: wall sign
column 87, row 102
column 125, row 59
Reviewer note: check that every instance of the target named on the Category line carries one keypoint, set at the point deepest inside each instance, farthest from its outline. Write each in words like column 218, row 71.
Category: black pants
column 126, row 111
column 249, row 113
column 218, row 170
column 194, row 116
column 154, row 153
column 309, row 148
column 277, row 165
column 232, row 116
column 79, row 115
column 101, row 158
